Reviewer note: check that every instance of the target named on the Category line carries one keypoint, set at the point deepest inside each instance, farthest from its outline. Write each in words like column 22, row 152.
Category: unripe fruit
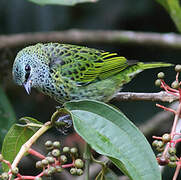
column 73, row 150
column 55, row 152
column 79, row 163
column 178, row 68
column 80, row 172
column 63, row 158
column 160, row 75
column 66, row 149
column 73, row 171
column 39, row 164
column 172, row 164
column 15, row 171
column 5, row 176
column 172, row 151
column 44, row 162
column 56, row 144
column 175, row 85
column 173, row 158
column 48, row 143
column 59, row 169
column 166, row 137
column 158, row 82
column 155, row 143
column 50, row 160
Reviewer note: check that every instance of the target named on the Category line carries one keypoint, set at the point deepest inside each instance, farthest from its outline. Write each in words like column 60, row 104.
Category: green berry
column 160, row 144
column 50, row 160
column 66, row 149
column 44, row 162
column 63, row 158
column 155, row 143
column 175, row 85
column 172, row 151
column 48, row 143
column 73, row 150
column 166, row 138
column 158, row 82
column 79, row 163
column 160, row 149
column 52, row 169
column 56, row 144
column 39, row 164
column 56, row 152
column 80, row 172
column 15, row 171
column 178, row 68
column 160, row 75
column 172, row 164
column 73, row 171
column 173, row 158
column 1, row 157
column 5, row 176
column 59, row 169
column 46, row 173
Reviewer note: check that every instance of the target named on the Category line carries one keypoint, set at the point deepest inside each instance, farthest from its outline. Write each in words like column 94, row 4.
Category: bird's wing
column 85, row 65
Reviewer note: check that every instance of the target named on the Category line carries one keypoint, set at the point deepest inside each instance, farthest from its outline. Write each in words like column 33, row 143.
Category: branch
column 131, row 96
column 170, row 40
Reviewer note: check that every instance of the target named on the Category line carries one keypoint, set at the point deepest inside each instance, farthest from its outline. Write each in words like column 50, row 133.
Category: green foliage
column 15, row 138
column 110, row 133
column 60, row 2
column 174, row 10
column 7, row 115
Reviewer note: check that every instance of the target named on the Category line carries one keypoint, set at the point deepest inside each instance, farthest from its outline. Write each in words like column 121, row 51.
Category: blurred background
column 21, row 16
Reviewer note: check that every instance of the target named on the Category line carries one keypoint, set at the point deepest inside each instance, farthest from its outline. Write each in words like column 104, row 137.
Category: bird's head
column 26, row 69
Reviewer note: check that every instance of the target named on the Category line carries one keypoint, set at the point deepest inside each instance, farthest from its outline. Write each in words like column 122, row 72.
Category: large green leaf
column 7, row 115
column 174, row 10
column 60, row 2
column 16, row 137
column 109, row 132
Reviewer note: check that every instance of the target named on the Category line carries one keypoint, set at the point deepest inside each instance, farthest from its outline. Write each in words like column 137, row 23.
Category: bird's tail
column 151, row 65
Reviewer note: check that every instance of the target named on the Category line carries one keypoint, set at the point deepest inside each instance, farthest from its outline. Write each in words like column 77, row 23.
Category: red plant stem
column 156, row 137
column 168, row 88
column 35, row 153
column 8, row 163
column 176, row 172
column 165, row 108
column 68, row 165
column 28, row 177
column 176, row 118
column 177, row 75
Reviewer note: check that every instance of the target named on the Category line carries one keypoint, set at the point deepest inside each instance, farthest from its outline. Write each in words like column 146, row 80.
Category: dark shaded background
column 19, row 16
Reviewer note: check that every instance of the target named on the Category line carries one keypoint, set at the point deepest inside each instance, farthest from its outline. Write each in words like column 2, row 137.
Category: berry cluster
column 56, row 160
column 165, row 145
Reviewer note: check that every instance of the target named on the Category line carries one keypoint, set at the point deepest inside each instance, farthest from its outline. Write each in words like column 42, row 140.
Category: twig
column 131, row 96
column 29, row 143
column 170, row 40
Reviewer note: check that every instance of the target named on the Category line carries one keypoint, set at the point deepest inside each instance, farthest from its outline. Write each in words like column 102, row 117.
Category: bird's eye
column 27, row 69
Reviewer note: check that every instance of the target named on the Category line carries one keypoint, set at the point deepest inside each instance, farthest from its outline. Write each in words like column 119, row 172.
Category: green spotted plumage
column 70, row 72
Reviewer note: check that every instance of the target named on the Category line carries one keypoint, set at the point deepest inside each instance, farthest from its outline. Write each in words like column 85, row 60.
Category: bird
column 68, row 72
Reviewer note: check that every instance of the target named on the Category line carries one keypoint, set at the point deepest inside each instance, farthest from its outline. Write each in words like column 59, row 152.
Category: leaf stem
column 87, row 157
